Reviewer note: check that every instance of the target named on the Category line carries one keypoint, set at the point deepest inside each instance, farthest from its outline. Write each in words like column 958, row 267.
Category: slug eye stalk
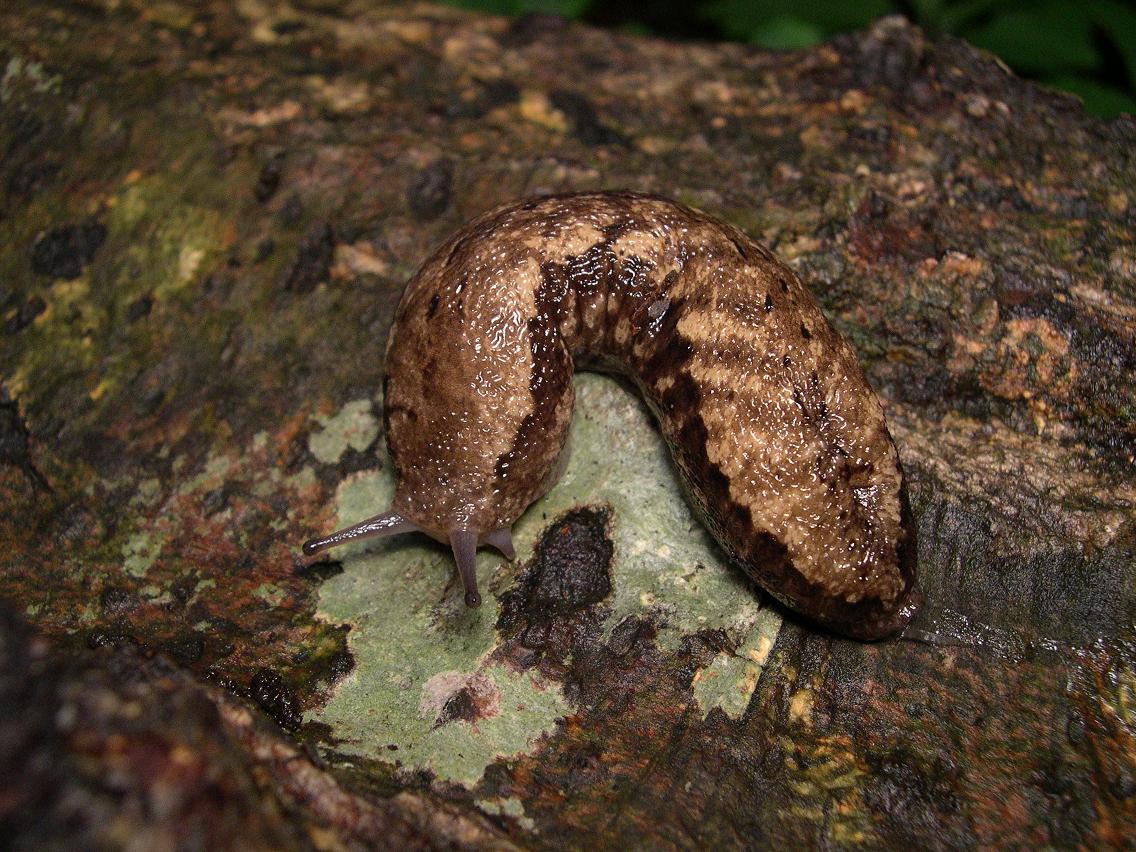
column 387, row 523
column 464, row 545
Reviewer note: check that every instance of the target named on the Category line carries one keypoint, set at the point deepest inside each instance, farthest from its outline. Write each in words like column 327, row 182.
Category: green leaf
column 567, row 8
column 746, row 19
column 927, row 11
column 955, row 17
column 1051, row 36
column 1118, row 22
column 1099, row 98
column 786, row 33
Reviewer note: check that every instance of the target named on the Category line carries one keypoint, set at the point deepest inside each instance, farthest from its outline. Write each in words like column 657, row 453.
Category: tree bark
column 208, row 214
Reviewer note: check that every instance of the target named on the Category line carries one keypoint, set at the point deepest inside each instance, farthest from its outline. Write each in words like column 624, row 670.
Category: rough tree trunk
column 208, row 211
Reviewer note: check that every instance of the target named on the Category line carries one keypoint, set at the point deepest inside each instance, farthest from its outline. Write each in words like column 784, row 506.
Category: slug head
column 463, row 543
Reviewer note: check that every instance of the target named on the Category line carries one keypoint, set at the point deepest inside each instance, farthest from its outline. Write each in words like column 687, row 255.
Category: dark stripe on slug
column 810, row 399
column 634, row 276
column 618, row 228
column 505, row 461
column 869, row 618
column 670, row 355
column 550, row 379
column 550, row 376
column 762, row 556
column 646, row 309
column 765, row 559
column 587, row 271
column 551, row 296
column 664, row 349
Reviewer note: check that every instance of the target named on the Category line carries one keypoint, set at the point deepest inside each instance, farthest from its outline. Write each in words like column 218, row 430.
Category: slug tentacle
column 387, row 523
column 777, row 437
column 502, row 541
column 464, row 545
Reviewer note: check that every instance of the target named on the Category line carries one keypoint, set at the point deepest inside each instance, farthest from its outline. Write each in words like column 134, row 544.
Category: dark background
column 1084, row 46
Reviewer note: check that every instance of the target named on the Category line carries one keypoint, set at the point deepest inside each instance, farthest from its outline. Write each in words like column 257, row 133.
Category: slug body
column 778, row 439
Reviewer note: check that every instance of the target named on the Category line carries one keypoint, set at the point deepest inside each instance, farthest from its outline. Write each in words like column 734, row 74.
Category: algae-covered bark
column 207, row 212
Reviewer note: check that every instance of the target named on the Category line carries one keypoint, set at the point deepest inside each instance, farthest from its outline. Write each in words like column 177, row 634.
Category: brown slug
column 779, row 441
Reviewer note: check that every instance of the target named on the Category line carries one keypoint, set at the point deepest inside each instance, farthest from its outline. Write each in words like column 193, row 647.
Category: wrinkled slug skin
column 779, row 441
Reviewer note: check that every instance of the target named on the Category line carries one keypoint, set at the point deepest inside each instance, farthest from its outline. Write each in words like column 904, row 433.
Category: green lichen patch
column 178, row 235
column 270, row 593
column 665, row 562
column 196, row 567
column 508, row 806
column 426, row 680
column 418, row 683
column 27, row 73
column 729, row 680
column 139, row 553
column 354, row 427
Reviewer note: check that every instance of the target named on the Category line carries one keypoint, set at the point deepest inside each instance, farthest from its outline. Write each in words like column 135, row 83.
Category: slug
column 779, row 441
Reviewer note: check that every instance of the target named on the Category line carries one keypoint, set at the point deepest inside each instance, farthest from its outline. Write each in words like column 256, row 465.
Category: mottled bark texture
column 207, row 212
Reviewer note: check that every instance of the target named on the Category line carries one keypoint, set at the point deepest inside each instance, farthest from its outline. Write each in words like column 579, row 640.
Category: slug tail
column 388, row 523
column 464, row 545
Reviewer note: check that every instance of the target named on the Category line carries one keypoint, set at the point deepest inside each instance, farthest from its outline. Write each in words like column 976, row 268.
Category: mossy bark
column 207, row 213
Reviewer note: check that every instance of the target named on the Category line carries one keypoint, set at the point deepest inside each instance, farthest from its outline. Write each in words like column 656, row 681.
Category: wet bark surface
column 207, row 214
